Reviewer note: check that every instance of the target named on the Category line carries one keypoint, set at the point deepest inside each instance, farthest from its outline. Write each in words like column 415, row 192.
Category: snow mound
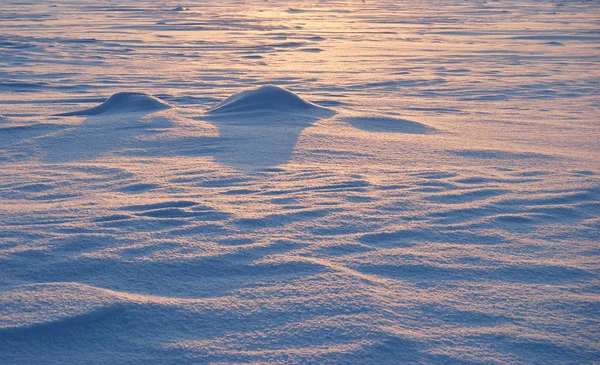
column 266, row 98
column 259, row 128
column 125, row 102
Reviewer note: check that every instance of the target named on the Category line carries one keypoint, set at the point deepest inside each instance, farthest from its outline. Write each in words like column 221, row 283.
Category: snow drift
column 125, row 102
column 259, row 128
column 267, row 98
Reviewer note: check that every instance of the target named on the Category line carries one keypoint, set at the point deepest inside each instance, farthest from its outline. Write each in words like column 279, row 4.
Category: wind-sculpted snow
column 61, row 302
column 419, row 184
column 125, row 102
column 268, row 98
column 263, row 126
column 389, row 125
column 267, row 267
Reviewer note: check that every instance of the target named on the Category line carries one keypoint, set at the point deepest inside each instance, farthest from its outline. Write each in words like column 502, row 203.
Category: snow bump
column 125, row 102
column 266, row 98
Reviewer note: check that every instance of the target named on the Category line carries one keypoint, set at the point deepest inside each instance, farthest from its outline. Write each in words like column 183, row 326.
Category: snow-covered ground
column 331, row 182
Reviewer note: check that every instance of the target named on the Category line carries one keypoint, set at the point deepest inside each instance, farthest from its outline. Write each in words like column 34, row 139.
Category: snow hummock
column 260, row 127
column 124, row 102
column 265, row 98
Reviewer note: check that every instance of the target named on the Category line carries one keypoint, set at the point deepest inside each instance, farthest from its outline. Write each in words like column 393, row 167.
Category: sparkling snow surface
column 389, row 182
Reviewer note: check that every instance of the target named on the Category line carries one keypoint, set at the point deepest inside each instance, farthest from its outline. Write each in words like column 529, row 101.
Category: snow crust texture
column 299, row 182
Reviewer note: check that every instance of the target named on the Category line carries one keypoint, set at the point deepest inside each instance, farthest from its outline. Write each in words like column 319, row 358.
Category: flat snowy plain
column 330, row 182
